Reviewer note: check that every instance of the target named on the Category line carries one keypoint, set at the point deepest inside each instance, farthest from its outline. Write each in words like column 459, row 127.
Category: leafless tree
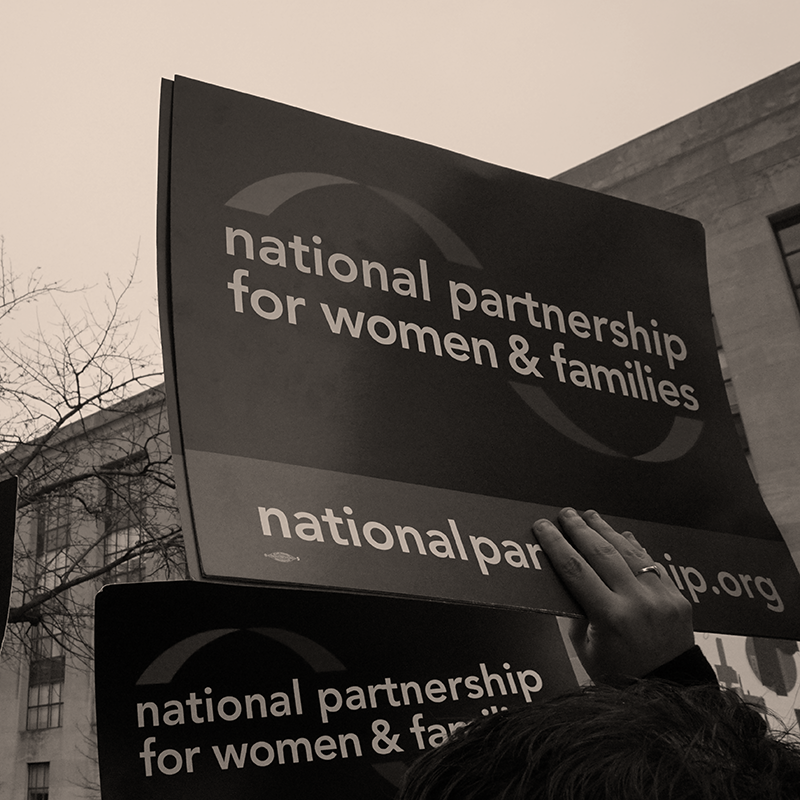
column 17, row 291
column 83, row 426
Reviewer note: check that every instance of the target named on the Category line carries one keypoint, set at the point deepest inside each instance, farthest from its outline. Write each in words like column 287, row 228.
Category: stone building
column 97, row 508
column 734, row 165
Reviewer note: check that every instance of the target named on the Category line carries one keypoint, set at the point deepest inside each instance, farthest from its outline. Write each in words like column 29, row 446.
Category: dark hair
column 648, row 741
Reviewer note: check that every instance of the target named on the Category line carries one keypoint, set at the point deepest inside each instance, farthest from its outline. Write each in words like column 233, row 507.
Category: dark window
column 52, row 539
column 45, row 681
column 39, row 781
column 126, row 507
column 787, row 232
column 733, row 401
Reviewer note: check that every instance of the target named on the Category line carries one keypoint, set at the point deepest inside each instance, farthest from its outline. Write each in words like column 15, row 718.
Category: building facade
column 734, row 165
column 97, row 507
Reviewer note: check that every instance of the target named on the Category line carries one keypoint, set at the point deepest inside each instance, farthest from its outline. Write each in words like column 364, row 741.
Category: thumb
column 578, row 630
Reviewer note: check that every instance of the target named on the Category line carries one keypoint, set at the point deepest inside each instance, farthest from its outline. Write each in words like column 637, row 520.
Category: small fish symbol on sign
column 284, row 558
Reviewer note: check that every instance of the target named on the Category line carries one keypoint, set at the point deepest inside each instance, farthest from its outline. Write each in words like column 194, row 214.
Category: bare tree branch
column 83, row 425
column 16, row 293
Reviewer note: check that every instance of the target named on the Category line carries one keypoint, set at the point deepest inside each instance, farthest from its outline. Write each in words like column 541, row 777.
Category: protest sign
column 386, row 360
column 209, row 691
column 8, row 527
column 765, row 672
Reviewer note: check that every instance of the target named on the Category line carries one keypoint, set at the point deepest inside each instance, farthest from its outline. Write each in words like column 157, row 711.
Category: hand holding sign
column 636, row 619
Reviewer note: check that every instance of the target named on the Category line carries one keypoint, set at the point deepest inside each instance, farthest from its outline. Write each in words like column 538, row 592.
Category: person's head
column 647, row 741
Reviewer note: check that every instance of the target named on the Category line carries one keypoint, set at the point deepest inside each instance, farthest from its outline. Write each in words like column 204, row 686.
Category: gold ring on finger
column 652, row 568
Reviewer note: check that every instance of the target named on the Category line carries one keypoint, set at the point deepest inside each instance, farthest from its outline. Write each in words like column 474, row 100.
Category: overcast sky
column 536, row 85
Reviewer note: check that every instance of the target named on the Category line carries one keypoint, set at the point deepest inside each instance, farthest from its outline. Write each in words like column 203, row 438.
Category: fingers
column 633, row 553
column 613, row 556
column 592, row 549
column 582, row 580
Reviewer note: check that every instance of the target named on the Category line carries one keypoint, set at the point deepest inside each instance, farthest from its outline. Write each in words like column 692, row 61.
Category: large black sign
column 387, row 360
column 210, row 691
column 8, row 526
